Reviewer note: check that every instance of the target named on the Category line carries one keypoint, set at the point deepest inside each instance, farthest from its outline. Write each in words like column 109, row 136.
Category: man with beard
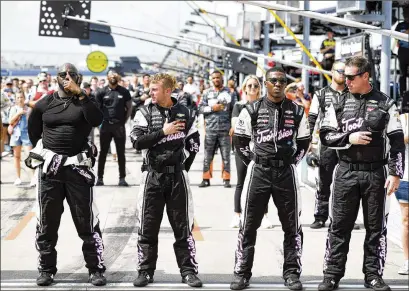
column 216, row 105
column 58, row 127
column 327, row 157
column 363, row 125
column 165, row 131
column 278, row 130
column 116, row 104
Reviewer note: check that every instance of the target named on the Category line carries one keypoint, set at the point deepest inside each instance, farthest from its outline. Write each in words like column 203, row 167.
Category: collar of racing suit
column 165, row 110
column 272, row 104
column 361, row 96
column 340, row 92
column 174, row 101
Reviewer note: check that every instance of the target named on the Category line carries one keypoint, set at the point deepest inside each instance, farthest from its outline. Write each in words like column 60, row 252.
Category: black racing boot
column 205, row 183
column 239, row 283
column 98, row 279
column 377, row 284
column 45, row 279
column 100, row 182
column 226, row 184
column 293, row 282
column 192, row 280
column 143, row 279
column 123, row 183
column 328, row 284
column 318, row 223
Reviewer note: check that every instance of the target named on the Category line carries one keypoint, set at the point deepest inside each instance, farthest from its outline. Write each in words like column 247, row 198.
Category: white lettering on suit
column 351, row 124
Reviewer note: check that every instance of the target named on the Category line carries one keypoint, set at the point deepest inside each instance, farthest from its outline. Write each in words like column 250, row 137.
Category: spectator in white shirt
column 192, row 89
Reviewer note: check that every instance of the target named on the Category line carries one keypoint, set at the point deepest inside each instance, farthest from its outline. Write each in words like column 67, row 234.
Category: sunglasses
column 342, row 72
column 255, row 86
column 72, row 75
column 279, row 80
column 352, row 77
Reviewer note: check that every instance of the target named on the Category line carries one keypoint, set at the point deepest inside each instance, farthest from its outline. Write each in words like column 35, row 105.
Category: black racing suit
column 64, row 128
column 217, row 127
column 361, row 174
column 241, row 166
column 280, row 135
column 328, row 157
column 165, row 182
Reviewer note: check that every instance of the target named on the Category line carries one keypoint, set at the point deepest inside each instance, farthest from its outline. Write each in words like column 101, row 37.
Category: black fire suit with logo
column 217, row 126
column 280, row 136
column 64, row 128
column 328, row 157
column 165, row 182
column 361, row 174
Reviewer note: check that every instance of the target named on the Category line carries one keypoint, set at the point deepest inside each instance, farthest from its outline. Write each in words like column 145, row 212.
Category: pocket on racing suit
column 376, row 118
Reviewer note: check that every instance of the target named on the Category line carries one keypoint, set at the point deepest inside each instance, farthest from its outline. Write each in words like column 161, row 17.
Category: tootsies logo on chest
column 171, row 137
column 351, row 124
column 267, row 135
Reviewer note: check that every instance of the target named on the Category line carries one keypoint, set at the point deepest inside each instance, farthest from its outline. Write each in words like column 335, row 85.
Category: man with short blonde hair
column 165, row 131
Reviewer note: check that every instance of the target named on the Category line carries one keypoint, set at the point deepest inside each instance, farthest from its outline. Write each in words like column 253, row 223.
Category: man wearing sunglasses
column 58, row 127
column 116, row 104
column 279, row 132
column 327, row 157
column 363, row 125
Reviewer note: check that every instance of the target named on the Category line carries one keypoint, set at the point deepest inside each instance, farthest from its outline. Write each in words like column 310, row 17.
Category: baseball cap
column 86, row 85
column 8, row 81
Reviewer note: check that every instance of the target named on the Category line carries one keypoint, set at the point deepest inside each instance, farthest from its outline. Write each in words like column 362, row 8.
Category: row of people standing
column 358, row 123
column 279, row 133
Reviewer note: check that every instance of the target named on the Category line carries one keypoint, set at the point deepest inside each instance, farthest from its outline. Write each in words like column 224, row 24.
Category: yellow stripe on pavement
column 197, row 234
column 20, row 226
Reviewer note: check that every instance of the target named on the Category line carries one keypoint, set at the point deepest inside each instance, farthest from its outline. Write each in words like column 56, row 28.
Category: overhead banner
column 350, row 46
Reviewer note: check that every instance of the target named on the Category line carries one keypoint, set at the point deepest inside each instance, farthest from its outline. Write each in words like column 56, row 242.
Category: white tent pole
column 292, row 64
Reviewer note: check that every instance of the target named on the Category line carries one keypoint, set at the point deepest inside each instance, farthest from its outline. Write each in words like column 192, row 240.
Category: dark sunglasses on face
column 279, row 80
column 255, row 86
column 63, row 75
column 352, row 77
column 342, row 72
